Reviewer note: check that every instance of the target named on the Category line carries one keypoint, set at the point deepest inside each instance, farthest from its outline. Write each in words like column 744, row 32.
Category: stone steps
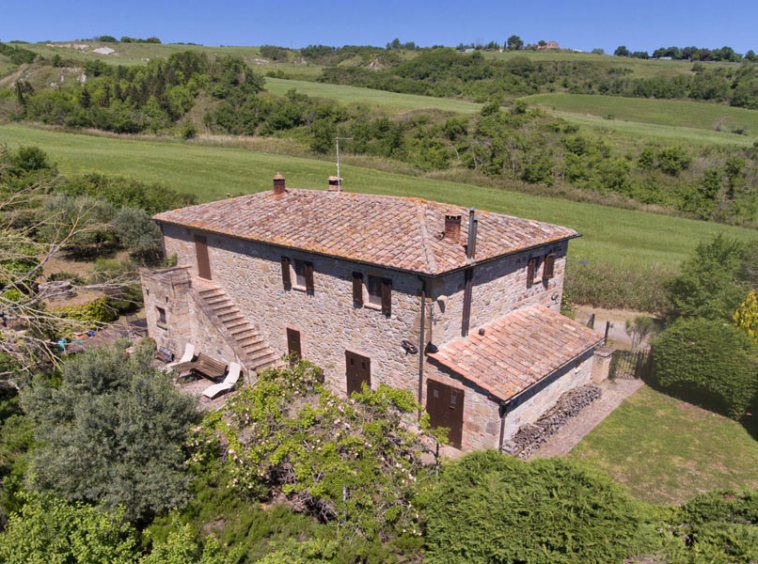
column 256, row 354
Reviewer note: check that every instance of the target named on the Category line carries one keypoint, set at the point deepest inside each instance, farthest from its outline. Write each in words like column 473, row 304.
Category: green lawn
column 667, row 451
column 611, row 234
column 357, row 95
column 676, row 113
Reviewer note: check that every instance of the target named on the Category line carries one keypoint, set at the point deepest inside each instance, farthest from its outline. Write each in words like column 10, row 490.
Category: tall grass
column 618, row 286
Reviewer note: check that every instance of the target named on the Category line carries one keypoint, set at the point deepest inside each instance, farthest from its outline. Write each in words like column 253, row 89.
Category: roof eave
column 430, row 275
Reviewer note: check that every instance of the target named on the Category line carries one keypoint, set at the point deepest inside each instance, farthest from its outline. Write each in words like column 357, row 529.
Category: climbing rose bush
column 356, row 462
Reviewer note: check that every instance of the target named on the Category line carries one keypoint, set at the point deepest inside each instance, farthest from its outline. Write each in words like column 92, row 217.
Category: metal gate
column 630, row 365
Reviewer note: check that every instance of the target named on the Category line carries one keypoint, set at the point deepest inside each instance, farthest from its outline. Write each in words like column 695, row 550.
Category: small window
column 161, row 317
column 299, row 273
column 303, row 275
column 375, row 290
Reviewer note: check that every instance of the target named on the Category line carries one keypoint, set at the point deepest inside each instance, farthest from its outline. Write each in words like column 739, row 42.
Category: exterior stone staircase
column 253, row 350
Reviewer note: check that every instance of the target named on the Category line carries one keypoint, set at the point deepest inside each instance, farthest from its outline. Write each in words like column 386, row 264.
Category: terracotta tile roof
column 517, row 350
column 401, row 233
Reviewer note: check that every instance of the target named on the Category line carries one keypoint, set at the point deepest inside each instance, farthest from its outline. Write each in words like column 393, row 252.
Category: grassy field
column 139, row 53
column 687, row 451
column 357, row 95
column 677, row 113
column 610, row 234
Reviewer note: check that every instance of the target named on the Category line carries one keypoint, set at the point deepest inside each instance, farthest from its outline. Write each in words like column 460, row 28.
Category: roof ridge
column 428, row 253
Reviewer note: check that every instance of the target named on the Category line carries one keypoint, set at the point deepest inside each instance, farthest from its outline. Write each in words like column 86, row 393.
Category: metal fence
column 630, row 365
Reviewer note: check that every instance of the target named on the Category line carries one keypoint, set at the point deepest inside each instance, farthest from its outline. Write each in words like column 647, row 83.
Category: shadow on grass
column 701, row 399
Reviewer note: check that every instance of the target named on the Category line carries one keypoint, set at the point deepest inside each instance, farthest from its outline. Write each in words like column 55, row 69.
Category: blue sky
column 641, row 25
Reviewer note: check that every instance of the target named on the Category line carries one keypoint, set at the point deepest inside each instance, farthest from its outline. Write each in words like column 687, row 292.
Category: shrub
column 351, row 460
column 95, row 312
column 29, row 159
column 50, row 530
column 488, row 507
column 746, row 317
column 126, row 423
column 708, row 358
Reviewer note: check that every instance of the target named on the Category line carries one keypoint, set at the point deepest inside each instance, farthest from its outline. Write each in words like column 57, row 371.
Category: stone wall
column 529, row 407
column 169, row 289
column 329, row 323
column 499, row 287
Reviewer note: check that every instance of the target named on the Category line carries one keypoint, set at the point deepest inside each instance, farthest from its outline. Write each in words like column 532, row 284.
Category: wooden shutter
column 309, row 277
column 530, row 271
column 357, row 289
column 203, row 262
column 387, row 296
column 468, row 288
column 286, row 275
column 548, row 271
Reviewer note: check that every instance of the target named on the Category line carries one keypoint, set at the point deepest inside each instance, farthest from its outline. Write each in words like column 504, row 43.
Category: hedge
column 710, row 359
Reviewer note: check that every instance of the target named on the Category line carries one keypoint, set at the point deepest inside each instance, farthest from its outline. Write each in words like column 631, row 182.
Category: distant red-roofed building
column 547, row 46
column 460, row 306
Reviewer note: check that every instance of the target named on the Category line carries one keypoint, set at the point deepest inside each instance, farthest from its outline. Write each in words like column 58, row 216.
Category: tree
column 751, row 56
column 137, row 232
column 598, row 51
column 49, row 530
column 746, row 317
column 621, row 51
column 712, row 282
column 29, row 332
column 515, row 43
column 112, row 432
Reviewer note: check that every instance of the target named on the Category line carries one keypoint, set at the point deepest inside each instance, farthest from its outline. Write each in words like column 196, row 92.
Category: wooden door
column 444, row 404
column 293, row 345
column 358, row 371
column 203, row 262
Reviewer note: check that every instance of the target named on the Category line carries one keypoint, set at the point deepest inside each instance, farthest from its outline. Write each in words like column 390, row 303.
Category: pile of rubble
column 528, row 439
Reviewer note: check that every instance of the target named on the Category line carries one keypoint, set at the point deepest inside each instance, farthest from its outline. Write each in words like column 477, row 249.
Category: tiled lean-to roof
column 517, row 350
column 400, row 233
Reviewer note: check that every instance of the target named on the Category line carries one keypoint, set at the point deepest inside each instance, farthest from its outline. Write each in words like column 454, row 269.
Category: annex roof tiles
column 518, row 350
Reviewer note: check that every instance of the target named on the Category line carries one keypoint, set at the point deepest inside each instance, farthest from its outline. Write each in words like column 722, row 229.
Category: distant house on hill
column 547, row 46
column 461, row 307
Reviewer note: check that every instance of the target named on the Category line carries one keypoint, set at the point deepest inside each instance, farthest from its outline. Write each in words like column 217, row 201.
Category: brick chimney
column 452, row 228
column 334, row 184
column 279, row 188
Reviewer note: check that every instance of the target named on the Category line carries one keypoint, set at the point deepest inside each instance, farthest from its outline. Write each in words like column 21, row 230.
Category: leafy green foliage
column 126, row 192
column 712, row 283
column 97, row 312
column 490, row 507
column 711, row 358
column 16, row 440
column 348, row 461
column 182, row 547
column 125, row 422
column 137, row 232
column 50, row 530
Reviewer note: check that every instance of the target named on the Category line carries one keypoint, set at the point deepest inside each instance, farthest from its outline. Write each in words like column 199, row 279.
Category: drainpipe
column 421, row 345
column 503, row 414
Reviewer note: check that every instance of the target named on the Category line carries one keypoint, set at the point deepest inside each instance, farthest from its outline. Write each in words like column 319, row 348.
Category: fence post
column 608, row 326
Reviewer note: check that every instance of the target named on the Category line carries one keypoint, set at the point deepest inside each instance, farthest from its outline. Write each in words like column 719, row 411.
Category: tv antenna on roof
column 337, row 140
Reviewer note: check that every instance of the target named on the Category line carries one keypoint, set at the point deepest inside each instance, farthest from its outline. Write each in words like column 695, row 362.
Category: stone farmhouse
column 460, row 306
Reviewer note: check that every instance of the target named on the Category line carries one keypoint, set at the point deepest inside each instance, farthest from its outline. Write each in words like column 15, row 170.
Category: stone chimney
column 334, row 184
column 452, row 228
column 279, row 188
